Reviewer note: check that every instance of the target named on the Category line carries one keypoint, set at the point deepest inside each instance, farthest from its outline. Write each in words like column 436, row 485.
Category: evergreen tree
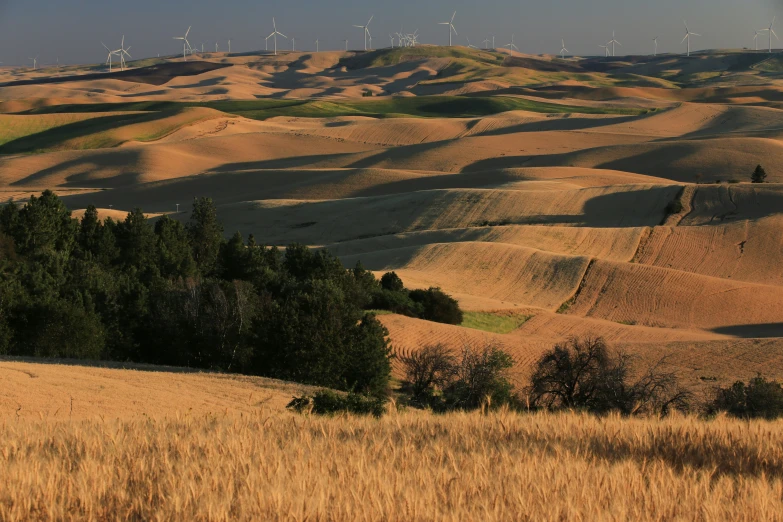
column 175, row 258
column 759, row 175
column 206, row 234
column 137, row 241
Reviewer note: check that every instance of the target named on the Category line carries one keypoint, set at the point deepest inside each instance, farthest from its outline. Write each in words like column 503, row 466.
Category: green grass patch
column 380, row 312
column 488, row 322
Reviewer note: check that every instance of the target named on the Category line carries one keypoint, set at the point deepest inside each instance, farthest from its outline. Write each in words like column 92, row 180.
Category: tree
column 96, row 238
column 137, row 241
column 583, row 374
column 480, row 375
column 758, row 398
column 426, row 371
column 759, row 175
column 44, row 226
column 437, row 306
column 173, row 249
column 206, row 234
column 392, row 282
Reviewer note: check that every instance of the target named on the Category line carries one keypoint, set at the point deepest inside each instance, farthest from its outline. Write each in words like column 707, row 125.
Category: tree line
column 180, row 294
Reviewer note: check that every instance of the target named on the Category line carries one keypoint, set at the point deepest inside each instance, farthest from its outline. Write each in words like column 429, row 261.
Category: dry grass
column 273, row 465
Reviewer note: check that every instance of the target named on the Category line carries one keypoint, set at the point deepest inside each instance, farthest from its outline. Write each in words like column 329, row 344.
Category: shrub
column 391, row 281
column 427, row 370
column 437, row 306
column 759, row 175
column 758, row 398
column 674, row 207
column 437, row 379
column 328, row 402
column 583, row 374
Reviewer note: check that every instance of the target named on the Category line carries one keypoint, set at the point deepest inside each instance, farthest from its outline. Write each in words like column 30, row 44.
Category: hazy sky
column 74, row 29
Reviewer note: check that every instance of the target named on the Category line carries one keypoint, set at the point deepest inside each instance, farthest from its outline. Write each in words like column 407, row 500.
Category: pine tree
column 206, row 234
column 759, row 175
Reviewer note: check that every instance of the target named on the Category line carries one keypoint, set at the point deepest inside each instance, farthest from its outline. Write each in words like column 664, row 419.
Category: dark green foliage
column 175, row 257
column 328, row 402
column 478, row 378
column 431, row 304
column 391, row 281
column 759, row 398
column 582, row 374
column 759, row 175
column 206, row 234
column 182, row 295
column 437, row 306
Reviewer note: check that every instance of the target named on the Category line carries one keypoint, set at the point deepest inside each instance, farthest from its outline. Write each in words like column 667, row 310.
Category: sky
column 72, row 30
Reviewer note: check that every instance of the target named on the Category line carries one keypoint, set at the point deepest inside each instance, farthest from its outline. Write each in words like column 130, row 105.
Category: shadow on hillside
column 86, row 167
column 761, row 330
column 114, row 365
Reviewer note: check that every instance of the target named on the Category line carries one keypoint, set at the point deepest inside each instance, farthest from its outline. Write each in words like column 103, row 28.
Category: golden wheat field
column 273, row 465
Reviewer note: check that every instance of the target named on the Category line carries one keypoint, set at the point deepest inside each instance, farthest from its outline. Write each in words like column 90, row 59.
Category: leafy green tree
column 759, row 398
column 759, row 175
column 391, row 281
column 437, row 306
column 96, row 238
column 206, row 234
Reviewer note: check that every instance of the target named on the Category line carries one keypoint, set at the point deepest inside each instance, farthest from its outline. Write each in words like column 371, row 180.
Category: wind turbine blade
column 618, row 43
column 187, row 32
column 686, row 37
column 284, row 36
column 695, row 34
column 359, row 26
column 452, row 16
column 104, row 46
column 443, row 23
column 270, row 36
column 453, row 29
column 774, row 33
column 370, row 20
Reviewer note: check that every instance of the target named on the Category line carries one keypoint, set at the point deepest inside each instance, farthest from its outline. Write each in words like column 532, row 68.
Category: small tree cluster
column 437, row 379
column 758, row 398
column 582, row 374
column 431, row 304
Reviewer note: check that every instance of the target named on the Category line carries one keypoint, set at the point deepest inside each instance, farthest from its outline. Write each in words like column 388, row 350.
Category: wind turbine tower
column 563, row 49
column 185, row 44
column 346, row 44
column 317, row 45
column 486, row 43
column 770, row 32
column 366, row 29
column 451, row 26
column 688, row 35
column 606, row 50
column 655, row 49
column 274, row 34
column 614, row 41
column 511, row 45
column 111, row 53
column 35, row 62
column 123, row 52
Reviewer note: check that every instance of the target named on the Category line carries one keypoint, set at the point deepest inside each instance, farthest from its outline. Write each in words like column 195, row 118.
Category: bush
column 477, row 378
column 582, row 374
column 758, row 398
column 328, row 402
column 391, row 281
column 437, row 306
column 759, row 175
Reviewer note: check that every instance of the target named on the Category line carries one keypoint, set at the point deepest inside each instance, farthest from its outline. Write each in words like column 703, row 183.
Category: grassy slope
column 488, row 322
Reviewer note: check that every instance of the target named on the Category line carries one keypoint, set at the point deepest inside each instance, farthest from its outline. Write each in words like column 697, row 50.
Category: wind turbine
column 510, row 46
column 614, row 41
column 185, row 44
column 756, row 39
column 229, row 46
column 486, row 43
column 35, row 62
column 216, row 47
column 346, row 44
column 606, row 50
column 688, row 35
column 655, row 50
column 493, row 40
column 451, row 26
column 111, row 53
column 317, row 45
column 391, row 37
column 366, row 32
column 274, row 34
column 123, row 52
column 293, row 43
column 563, row 49
column 470, row 46
column 770, row 31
